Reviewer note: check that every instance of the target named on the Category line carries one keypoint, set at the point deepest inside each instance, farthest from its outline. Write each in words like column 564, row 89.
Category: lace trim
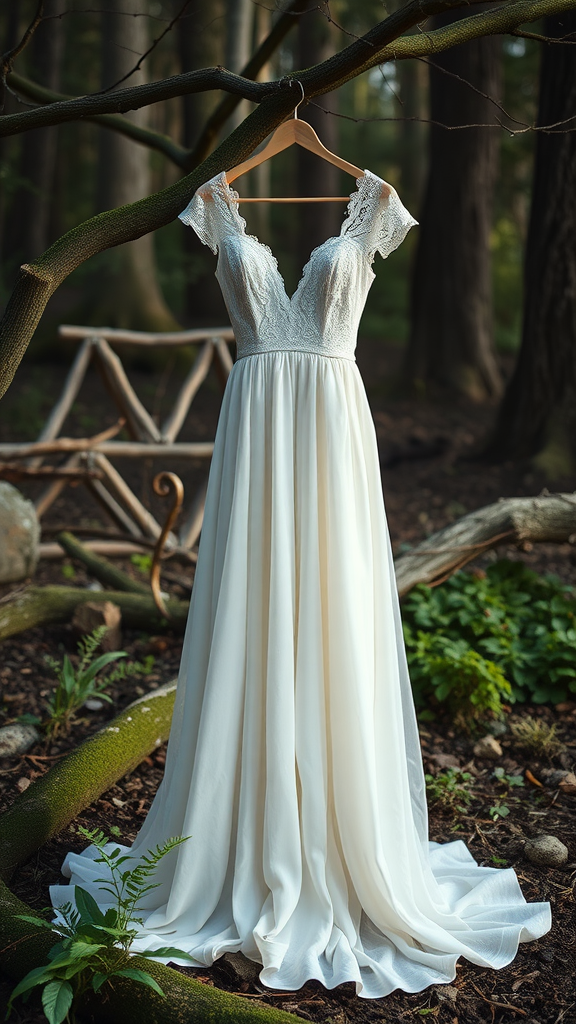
column 233, row 196
column 377, row 223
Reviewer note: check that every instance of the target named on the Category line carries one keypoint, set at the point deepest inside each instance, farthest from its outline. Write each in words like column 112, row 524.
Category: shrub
column 480, row 639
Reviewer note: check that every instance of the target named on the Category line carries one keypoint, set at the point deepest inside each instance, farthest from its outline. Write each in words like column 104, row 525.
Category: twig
column 9, row 57
column 461, row 547
column 147, row 53
column 502, row 1006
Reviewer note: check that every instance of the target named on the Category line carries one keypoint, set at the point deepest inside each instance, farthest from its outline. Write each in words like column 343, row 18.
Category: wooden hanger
column 303, row 134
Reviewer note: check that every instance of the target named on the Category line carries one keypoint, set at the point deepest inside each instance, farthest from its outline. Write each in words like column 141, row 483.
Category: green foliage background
column 484, row 639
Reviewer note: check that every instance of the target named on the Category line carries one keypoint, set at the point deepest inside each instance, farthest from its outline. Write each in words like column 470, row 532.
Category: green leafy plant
column 142, row 562
column 536, row 736
column 485, row 639
column 93, row 947
column 499, row 810
column 507, row 780
column 76, row 684
column 449, row 788
column 452, row 672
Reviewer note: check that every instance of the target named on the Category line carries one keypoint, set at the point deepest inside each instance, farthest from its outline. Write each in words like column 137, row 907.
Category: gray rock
column 553, row 777
column 16, row 739
column 488, row 747
column 19, row 535
column 444, row 760
column 497, row 727
column 546, row 852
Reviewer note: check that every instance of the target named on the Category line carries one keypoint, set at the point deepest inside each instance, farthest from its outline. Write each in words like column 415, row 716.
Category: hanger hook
column 301, row 100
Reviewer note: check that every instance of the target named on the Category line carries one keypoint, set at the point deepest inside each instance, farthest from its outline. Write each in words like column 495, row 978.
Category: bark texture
column 383, row 42
column 82, row 776
column 451, row 339
column 539, row 406
column 512, row 520
column 40, row 605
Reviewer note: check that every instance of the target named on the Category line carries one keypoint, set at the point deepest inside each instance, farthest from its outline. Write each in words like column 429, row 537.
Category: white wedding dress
column 293, row 762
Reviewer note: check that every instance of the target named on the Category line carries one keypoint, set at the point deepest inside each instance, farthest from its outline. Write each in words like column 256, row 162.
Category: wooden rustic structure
column 89, row 460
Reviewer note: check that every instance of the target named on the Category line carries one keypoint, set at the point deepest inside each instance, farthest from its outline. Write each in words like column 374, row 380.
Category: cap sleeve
column 379, row 223
column 209, row 213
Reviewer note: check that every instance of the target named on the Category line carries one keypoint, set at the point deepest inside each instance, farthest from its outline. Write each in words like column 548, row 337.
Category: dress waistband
column 301, row 351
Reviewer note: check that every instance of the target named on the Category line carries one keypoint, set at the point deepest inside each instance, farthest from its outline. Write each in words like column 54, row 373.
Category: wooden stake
column 197, row 374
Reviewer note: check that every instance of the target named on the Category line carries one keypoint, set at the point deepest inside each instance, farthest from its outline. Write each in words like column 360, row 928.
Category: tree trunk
column 28, row 228
column 316, row 177
column 200, row 44
column 130, row 295
column 239, row 22
column 11, row 36
column 413, row 81
column 538, row 409
column 451, row 343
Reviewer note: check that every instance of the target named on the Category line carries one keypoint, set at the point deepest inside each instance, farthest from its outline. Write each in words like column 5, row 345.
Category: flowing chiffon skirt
column 293, row 763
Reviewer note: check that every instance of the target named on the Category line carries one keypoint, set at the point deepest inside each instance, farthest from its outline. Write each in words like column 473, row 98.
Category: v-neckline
column 231, row 196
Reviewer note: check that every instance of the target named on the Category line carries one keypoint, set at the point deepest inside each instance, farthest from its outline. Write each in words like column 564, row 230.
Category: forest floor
column 429, row 480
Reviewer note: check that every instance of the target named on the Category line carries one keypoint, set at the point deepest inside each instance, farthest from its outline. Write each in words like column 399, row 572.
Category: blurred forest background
column 451, row 134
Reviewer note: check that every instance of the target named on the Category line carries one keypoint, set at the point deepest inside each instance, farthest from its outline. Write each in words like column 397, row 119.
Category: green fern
column 80, row 958
column 76, row 685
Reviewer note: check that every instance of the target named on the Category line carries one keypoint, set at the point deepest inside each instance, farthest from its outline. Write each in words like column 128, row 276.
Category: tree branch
column 117, row 122
column 182, row 157
column 8, row 58
column 39, row 280
column 137, row 96
column 359, row 56
column 229, row 103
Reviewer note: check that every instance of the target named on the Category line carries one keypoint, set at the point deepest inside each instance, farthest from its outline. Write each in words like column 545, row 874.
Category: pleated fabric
column 293, row 762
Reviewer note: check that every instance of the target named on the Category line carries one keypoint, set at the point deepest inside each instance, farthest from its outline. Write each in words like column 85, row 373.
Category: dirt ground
column 429, row 480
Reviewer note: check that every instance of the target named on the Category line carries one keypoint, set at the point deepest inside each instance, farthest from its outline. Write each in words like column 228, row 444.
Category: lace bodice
column 323, row 314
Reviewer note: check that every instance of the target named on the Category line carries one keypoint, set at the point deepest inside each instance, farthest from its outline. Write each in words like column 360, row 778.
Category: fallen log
column 101, row 569
column 38, row 606
column 44, row 809
column 79, row 778
column 547, row 518
column 186, row 1001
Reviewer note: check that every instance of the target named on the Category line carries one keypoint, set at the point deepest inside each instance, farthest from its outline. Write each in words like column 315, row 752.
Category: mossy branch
column 102, row 570
column 40, row 606
column 39, row 280
column 116, row 122
column 50, row 804
column 73, row 783
column 119, row 101
column 185, row 1001
column 179, row 155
